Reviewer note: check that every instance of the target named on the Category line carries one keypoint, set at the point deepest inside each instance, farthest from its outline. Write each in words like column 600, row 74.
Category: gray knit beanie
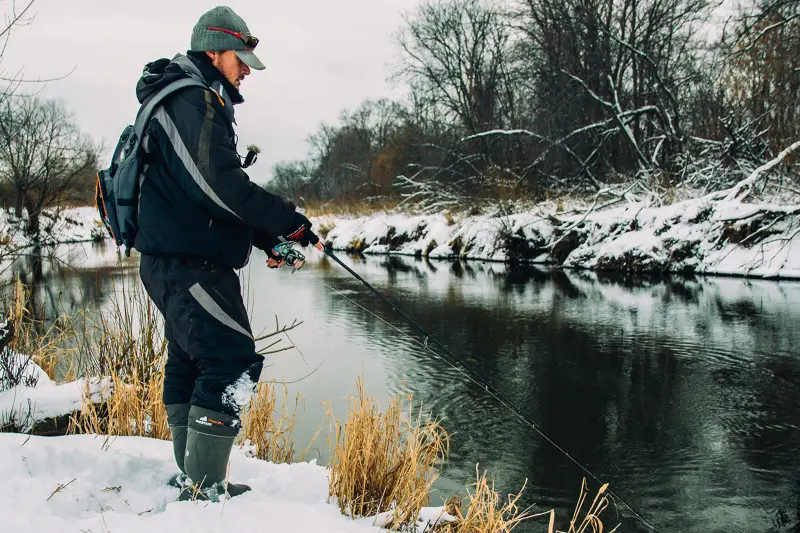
column 208, row 35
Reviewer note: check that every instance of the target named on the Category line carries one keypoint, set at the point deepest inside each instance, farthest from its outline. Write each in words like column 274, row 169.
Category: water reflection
column 67, row 278
column 679, row 392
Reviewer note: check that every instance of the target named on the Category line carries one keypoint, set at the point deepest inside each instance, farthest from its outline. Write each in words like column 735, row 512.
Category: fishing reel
column 292, row 257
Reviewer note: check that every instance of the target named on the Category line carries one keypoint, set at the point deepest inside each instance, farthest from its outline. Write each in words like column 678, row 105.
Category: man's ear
column 212, row 55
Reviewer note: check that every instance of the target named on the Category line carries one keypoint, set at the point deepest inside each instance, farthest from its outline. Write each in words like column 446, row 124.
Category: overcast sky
column 322, row 56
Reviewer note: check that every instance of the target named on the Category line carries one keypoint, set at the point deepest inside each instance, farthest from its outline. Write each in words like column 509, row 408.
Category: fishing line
column 472, row 375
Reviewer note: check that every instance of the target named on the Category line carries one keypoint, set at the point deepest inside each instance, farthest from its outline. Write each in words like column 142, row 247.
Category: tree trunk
column 19, row 202
column 33, row 227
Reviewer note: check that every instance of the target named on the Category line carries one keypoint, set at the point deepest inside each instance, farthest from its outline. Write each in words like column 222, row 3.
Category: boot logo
column 206, row 421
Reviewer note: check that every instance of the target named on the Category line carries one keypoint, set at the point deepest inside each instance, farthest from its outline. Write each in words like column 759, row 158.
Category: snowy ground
column 122, row 488
column 93, row 483
column 75, row 224
column 706, row 235
column 37, row 397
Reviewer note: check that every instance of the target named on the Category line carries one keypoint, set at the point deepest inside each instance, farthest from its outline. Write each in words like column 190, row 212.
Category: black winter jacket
column 195, row 199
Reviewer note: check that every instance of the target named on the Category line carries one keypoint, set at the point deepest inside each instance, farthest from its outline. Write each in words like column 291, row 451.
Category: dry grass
column 126, row 344
column 590, row 520
column 350, row 207
column 32, row 337
column 127, row 339
column 485, row 513
column 324, row 229
column 267, row 426
column 133, row 408
column 381, row 462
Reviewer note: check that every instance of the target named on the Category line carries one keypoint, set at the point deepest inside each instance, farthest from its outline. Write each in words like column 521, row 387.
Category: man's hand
column 302, row 233
column 275, row 263
column 274, row 259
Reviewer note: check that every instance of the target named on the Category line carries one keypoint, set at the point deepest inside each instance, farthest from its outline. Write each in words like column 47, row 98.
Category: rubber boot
column 209, row 440
column 178, row 419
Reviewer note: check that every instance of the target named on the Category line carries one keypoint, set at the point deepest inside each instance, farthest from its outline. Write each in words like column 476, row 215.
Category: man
column 199, row 215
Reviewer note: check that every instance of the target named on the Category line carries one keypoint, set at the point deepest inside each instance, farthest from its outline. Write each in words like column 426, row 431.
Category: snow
column 119, row 485
column 703, row 235
column 98, row 483
column 238, row 394
column 38, row 397
column 75, row 224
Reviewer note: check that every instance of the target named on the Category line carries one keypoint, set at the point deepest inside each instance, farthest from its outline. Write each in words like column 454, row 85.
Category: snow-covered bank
column 705, row 235
column 73, row 224
column 85, row 483
column 708, row 235
column 122, row 487
column 36, row 398
column 24, row 406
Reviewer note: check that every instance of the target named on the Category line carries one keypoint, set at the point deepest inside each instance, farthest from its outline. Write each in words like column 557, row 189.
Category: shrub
column 267, row 427
column 485, row 514
column 380, row 462
column 127, row 345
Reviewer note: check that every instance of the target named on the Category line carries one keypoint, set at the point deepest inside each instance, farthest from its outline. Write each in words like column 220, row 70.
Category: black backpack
column 117, row 188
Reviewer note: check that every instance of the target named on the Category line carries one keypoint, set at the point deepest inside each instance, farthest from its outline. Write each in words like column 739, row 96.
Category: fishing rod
column 487, row 386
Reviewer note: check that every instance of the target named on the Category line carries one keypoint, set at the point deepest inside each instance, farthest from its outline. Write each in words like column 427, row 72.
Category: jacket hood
column 161, row 72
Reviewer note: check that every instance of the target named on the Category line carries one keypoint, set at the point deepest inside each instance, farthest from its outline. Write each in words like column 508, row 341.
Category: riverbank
column 85, row 483
column 714, row 234
column 58, row 226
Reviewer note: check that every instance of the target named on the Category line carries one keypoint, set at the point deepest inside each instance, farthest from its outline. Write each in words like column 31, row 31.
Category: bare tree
column 42, row 152
column 760, row 19
column 356, row 158
column 763, row 70
column 18, row 16
column 457, row 53
column 610, row 77
column 289, row 178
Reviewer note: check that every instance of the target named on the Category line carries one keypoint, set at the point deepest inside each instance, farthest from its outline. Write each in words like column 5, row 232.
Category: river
column 682, row 393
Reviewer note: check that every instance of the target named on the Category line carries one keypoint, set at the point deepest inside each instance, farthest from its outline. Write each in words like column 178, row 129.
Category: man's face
column 230, row 65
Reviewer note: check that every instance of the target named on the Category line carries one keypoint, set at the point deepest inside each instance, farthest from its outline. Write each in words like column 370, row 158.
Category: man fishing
column 199, row 216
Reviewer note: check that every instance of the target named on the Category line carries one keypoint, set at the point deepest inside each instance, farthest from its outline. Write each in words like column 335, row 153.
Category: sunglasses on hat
column 249, row 40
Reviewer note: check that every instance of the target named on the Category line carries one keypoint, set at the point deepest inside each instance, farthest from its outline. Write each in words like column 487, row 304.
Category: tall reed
column 268, row 424
column 126, row 344
column 381, row 461
column 33, row 337
column 487, row 514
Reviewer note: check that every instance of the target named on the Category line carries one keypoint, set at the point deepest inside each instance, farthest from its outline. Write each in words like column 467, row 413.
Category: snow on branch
column 744, row 187
column 503, row 132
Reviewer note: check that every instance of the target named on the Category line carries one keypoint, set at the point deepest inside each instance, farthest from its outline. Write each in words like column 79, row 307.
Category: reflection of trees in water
column 662, row 418
column 57, row 284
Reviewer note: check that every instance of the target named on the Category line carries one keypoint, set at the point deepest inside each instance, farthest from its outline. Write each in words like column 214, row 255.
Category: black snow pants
column 212, row 361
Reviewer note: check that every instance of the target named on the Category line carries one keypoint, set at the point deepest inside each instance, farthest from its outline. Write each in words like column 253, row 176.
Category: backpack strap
column 147, row 110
